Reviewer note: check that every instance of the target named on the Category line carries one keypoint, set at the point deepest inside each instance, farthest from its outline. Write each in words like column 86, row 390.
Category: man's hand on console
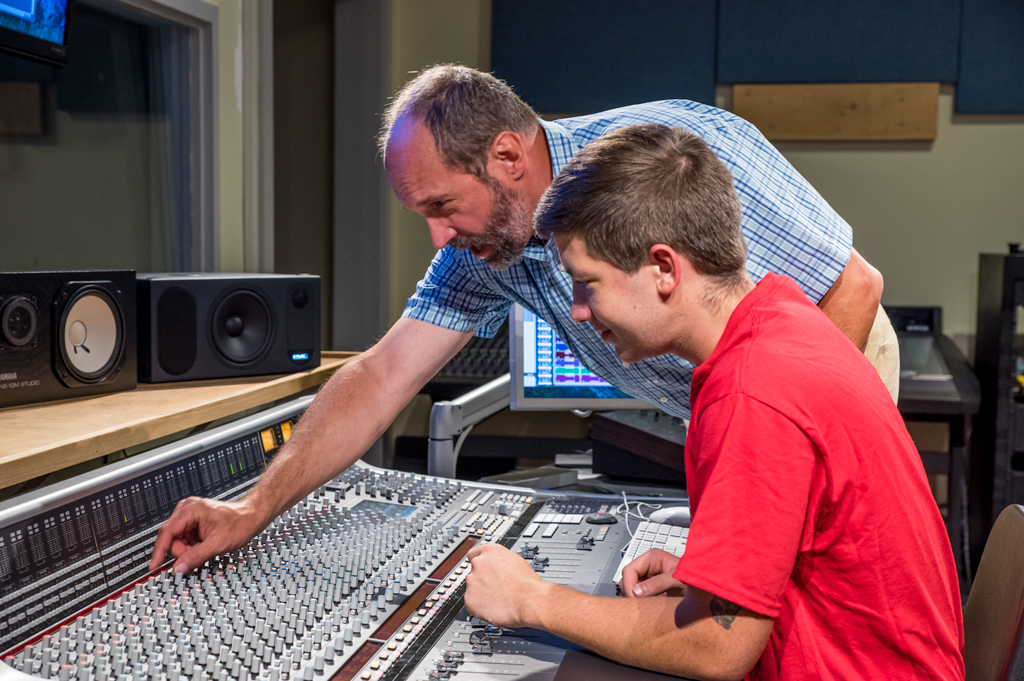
column 200, row 529
column 651, row 575
column 501, row 586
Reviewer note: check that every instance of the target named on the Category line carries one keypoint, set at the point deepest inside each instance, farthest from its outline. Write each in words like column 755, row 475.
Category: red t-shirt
column 810, row 503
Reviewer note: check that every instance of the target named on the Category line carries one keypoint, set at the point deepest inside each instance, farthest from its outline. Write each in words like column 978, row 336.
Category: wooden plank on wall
column 841, row 111
column 21, row 109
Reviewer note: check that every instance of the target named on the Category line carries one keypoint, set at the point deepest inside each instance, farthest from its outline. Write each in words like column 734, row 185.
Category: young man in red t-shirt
column 815, row 550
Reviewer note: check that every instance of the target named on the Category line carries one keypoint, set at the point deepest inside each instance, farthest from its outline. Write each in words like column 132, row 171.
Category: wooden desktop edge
column 42, row 438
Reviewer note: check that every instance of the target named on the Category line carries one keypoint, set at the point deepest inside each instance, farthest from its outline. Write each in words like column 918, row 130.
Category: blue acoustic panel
column 584, row 56
column 991, row 58
column 837, row 41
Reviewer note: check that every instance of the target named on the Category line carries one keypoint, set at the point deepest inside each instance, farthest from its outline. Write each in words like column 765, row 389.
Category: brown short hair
column 464, row 109
column 643, row 185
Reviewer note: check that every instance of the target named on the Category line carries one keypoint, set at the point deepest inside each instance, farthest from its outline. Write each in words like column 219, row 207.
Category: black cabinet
column 997, row 452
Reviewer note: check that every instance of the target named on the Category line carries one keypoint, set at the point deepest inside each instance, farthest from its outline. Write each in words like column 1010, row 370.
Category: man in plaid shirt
column 461, row 149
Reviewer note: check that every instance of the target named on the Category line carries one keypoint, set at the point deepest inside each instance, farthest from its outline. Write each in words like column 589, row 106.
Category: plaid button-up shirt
column 788, row 227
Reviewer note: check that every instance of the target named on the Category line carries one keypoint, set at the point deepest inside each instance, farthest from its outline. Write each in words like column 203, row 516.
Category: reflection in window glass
column 94, row 164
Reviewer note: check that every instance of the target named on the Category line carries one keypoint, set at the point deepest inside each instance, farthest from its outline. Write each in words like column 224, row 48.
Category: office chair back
column 993, row 645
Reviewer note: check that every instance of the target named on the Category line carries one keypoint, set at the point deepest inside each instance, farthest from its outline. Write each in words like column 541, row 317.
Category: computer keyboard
column 649, row 536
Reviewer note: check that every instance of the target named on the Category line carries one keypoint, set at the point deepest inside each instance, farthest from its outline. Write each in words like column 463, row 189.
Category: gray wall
column 81, row 198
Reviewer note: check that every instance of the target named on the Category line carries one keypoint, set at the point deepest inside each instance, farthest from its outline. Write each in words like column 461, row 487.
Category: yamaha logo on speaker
column 13, row 376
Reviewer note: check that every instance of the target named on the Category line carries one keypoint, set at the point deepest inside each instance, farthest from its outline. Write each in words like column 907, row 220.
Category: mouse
column 601, row 519
column 675, row 515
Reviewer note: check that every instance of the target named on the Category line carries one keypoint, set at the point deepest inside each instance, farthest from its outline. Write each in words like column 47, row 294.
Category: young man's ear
column 669, row 267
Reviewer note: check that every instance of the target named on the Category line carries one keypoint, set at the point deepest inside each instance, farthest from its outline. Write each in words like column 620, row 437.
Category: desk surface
column 958, row 394
column 39, row 439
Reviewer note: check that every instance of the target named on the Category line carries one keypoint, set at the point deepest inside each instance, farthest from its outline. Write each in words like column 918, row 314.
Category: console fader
column 361, row 580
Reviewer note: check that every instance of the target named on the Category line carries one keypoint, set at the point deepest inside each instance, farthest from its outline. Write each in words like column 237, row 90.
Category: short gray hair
column 464, row 109
column 644, row 185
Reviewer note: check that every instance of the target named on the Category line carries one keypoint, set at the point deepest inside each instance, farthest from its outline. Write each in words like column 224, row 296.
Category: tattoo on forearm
column 723, row 612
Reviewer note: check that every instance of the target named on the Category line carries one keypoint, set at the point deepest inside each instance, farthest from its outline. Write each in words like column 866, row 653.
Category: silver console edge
column 37, row 501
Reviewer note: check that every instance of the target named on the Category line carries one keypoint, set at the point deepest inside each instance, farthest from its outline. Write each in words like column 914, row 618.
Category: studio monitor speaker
column 212, row 325
column 65, row 334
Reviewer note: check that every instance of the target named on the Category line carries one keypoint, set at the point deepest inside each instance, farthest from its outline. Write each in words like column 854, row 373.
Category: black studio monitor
column 196, row 326
column 66, row 334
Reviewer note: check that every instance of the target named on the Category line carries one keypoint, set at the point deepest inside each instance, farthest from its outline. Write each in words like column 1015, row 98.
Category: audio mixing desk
column 363, row 579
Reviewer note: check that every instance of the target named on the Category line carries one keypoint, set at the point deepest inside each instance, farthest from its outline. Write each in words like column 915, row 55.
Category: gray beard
column 508, row 230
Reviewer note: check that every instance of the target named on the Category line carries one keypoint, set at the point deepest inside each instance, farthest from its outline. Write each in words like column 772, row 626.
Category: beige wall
column 426, row 33
column 229, row 129
column 921, row 213
column 303, row 144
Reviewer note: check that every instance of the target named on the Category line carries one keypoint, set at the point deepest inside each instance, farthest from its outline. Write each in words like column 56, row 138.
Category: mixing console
column 363, row 579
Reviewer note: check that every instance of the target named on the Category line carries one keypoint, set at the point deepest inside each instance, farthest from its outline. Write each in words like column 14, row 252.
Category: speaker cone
column 90, row 334
column 241, row 327
column 19, row 320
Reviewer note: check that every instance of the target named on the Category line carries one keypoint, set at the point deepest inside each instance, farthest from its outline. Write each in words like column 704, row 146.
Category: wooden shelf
column 840, row 111
column 42, row 438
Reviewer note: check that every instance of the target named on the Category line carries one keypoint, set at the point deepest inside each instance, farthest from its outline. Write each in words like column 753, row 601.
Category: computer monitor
column 36, row 29
column 546, row 375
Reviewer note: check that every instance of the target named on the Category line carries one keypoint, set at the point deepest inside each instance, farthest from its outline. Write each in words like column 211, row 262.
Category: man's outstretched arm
column 852, row 302
column 347, row 416
column 699, row 635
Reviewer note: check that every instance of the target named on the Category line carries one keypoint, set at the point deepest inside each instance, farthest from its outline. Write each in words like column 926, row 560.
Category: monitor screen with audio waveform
column 546, row 374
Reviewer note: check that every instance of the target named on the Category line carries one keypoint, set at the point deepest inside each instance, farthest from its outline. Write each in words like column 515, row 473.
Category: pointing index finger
column 173, row 529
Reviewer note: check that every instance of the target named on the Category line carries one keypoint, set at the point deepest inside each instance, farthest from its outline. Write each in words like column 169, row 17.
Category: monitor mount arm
column 449, row 419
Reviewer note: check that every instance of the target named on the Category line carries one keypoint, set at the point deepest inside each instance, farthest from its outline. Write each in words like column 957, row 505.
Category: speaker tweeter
column 19, row 321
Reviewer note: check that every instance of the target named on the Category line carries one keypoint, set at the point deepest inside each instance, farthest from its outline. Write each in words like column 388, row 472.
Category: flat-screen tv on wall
column 37, row 29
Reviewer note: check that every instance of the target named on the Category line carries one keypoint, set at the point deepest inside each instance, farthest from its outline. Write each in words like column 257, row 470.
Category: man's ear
column 668, row 266
column 508, row 155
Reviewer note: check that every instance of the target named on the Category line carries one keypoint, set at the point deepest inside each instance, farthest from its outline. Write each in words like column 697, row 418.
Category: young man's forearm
column 677, row 636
